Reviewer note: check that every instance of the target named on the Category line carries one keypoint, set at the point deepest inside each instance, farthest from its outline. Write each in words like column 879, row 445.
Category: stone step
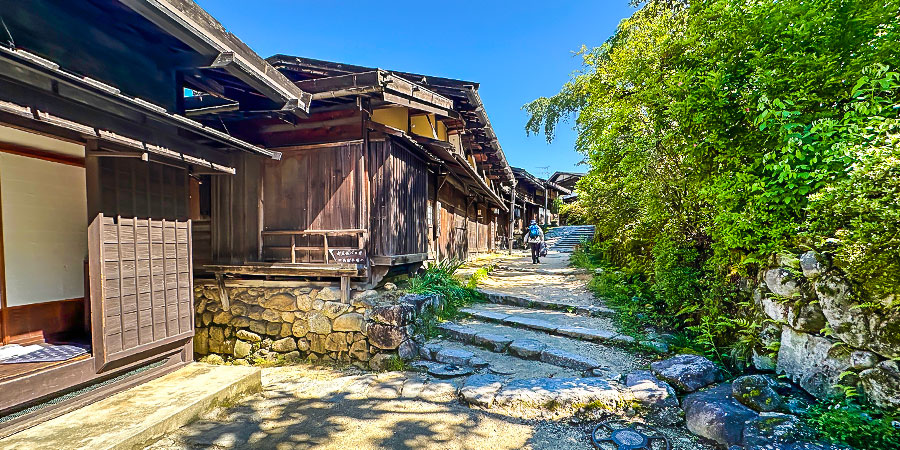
column 551, row 305
column 592, row 329
column 556, row 350
column 524, row 395
column 444, row 352
column 143, row 413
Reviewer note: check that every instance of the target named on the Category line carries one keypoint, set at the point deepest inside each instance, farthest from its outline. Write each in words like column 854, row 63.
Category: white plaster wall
column 44, row 207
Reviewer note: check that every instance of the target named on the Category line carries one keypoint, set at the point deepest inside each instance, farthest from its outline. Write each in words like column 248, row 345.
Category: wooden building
column 389, row 170
column 99, row 183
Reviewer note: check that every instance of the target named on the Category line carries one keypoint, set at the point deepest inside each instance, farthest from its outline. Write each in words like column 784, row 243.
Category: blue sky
column 516, row 50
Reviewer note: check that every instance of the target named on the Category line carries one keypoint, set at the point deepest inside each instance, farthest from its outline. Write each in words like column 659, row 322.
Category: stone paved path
column 534, row 376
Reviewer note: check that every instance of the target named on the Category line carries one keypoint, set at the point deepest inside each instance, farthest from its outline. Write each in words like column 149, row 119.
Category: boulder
column 493, row 342
column 813, row 362
column 386, row 337
column 651, row 391
column 715, row 414
column 240, row 322
column 281, row 301
column 812, row 264
column 257, row 326
column 319, row 323
column 861, row 359
column 527, row 348
column 242, row 349
column 800, row 314
column 304, row 303
column 480, row 389
column 334, row 309
column 336, row 342
column 222, row 318
column 397, row 315
column 284, row 345
column 201, row 341
column 273, row 328
column 774, row 430
column 300, row 327
column 686, row 373
column 380, row 361
column 757, row 392
column 408, row 350
column 216, row 340
column 316, row 343
column 878, row 332
column 359, row 351
column 782, row 282
column 882, row 384
column 248, row 336
column 350, row 322
column 453, row 356
column 329, row 294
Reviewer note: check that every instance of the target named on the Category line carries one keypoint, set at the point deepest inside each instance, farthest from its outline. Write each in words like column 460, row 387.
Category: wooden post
column 345, row 289
column 325, row 237
column 512, row 215
column 546, row 211
column 293, row 249
column 223, row 293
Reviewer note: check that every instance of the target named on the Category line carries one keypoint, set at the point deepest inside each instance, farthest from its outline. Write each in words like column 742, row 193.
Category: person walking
column 535, row 237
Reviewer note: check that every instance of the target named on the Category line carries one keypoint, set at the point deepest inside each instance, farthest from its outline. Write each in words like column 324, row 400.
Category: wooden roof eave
column 381, row 84
column 188, row 22
column 100, row 92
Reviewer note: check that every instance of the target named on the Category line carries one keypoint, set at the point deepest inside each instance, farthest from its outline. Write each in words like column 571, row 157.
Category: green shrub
column 439, row 278
column 850, row 424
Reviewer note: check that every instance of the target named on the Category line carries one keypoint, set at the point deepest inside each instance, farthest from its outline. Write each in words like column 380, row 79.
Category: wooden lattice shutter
column 141, row 276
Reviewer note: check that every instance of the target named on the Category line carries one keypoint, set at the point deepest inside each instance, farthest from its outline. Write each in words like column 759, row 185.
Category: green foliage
column 478, row 276
column 439, row 278
column 719, row 132
column 861, row 428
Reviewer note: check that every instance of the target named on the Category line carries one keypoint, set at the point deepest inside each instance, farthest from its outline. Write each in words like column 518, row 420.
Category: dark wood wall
column 399, row 199
column 321, row 188
column 234, row 213
column 130, row 187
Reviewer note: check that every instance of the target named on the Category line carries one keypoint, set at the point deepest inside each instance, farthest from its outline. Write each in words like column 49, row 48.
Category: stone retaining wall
column 275, row 323
column 826, row 336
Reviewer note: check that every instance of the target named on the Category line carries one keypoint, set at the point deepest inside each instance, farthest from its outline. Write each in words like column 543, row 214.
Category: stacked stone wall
column 826, row 336
column 278, row 323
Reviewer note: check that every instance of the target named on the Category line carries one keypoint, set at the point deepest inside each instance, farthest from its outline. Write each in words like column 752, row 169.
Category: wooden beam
column 396, row 260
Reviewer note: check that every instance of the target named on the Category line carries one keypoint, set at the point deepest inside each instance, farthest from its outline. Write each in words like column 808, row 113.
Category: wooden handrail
column 363, row 233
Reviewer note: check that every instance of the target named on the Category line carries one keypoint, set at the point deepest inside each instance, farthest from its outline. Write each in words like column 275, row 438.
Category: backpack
column 534, row 231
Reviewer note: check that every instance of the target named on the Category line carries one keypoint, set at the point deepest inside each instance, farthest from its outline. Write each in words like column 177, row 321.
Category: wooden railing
column 360, row 233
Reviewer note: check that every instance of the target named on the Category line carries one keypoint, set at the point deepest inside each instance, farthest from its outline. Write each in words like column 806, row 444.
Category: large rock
column 563, row 358
column 562, row 392
column 813, row 264
column 282, row 302
column 350, row 322
column 284, row 345
column 813, row 362
column 800, row 314
column 757, row 392
column 715, row 414
column 329, row 294
column 248, row 336
column 201, row 341
column 300, row 327
column 454, row 356
column 656, row 396
column 493, row 342
column 686, row 373
column 876, row 331
column 882, row 384
column 397, row 314
column 782, row 282
column 334, row 309
column 651, row 391
column 319, row 323
column 481, row 389
column 242, row 349
column 775, row 431
column 386, row 337
column 527, row 348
